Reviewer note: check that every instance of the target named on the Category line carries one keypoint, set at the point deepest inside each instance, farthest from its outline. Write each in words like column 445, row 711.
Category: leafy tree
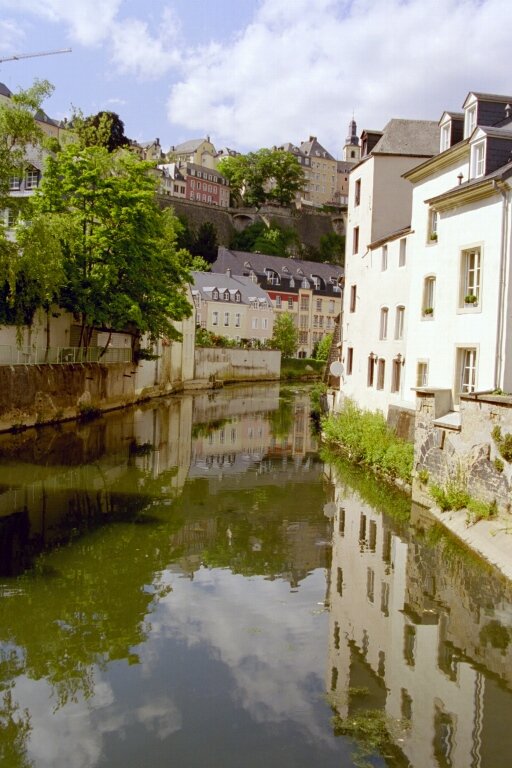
column 332, row 248
column 105, row 129
column 265, row 175
column 274, row 240
column 205, row 243
column 113, row 249
column 323, row 348
column 285, row 336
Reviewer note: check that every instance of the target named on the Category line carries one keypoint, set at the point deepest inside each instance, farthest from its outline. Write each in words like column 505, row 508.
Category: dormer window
column 292, row 282
column 470, row 121
column 445, row 137
column 238, row 296
column 215, row 295
column 226, row 295
column 478, row 159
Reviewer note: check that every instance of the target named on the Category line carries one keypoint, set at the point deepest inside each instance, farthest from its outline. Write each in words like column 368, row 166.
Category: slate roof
column 313, row 148
column 409, row 137
column 206, row 282
column 4, row 91
column 188, row 146
column 242, row 262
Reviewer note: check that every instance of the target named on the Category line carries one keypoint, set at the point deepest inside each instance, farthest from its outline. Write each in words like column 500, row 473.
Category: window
column 238, row 296
column 399, row 322
column 264, row 323
column 315, row 321
column 32, row 179
column 381, row 373
column 422, row 373
column 319, row 305
column 304, row 303
column 290, row 303
column 14, row 183
column 255, row 323
column 215, row 295
column 353, row 297
column 383, row 330
column 237, row 320
column 370, row 584
column 226, row 295
column 357, row 196
column 445, row 137
column 355, row 240
column 432, row 226
column 215, row 318
column 429, row 289
column 467, row 367
column 384, row 258
column 273, row 278
column 331, row 306
column 303, row 321
column 396, row 373
column 278, row 302
column 469, row 121
column 350, row 360
column 371, row 370
column 470, row 278
column 478, row 159
column 402, row 255
column 226, row 318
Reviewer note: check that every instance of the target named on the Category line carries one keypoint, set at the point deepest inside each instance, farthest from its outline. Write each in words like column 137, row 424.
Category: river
column 189, row 583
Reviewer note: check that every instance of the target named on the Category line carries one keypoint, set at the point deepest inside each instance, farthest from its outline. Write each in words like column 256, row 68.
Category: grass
column 365, row 438
column 293, row 368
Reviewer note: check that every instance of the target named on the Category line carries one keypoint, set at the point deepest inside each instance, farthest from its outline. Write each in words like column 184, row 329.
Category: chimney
column 228, row 272
column 508, row 111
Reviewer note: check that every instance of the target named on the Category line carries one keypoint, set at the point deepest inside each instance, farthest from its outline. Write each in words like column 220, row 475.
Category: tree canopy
column 105, row 129
column 268, row 175
column 285, row 336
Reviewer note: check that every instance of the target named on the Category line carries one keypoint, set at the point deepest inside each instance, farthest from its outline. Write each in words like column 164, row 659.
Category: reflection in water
column 424, row 630
column 170, row 574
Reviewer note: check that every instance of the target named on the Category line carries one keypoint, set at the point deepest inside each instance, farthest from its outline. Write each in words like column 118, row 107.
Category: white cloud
column 137, row 51
column 11, row 36
column 89, row 21
column 301, row 68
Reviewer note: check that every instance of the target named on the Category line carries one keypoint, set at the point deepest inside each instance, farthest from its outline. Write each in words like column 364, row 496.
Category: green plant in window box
column 471, row 298
column 433, row 237
column 428, row 311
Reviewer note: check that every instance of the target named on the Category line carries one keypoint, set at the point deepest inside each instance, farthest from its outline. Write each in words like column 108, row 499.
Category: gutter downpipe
column 498, row 367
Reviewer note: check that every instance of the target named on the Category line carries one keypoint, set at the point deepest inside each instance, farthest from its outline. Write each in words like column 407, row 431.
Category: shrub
column 499, row 465
column 366, row 438
column 480, row 510
column 423, row 476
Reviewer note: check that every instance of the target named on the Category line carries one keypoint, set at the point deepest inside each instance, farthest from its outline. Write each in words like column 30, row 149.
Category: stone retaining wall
column 466, row 451
column 226, row 364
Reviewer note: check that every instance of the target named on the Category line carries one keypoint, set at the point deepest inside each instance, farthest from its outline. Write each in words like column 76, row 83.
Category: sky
column 254, row 73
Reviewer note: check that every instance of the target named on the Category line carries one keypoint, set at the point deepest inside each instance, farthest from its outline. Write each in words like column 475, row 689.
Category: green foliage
column 205, row 243
column 106, row 249
column 206, row 338
column 365, row 438
column 273, row 240
column 423, row 476
column 105, row 129
column 301, row 369
column 285, row 336
column 268, row 175
column 453, row 496
column 496, row 635
column 323, row 348
column 498, row 464
column 480, row 510
column 503, row 443
column 332, row 249
column 370, row 729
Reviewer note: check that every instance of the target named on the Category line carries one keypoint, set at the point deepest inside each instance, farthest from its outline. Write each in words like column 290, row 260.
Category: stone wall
column 237, row 364
column 310, row 225
column 461, row 447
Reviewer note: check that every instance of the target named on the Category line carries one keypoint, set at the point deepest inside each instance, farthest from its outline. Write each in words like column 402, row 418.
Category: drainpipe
column 500, row 323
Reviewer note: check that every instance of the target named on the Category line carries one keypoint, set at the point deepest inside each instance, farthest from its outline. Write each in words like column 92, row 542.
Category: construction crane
column 18, row 56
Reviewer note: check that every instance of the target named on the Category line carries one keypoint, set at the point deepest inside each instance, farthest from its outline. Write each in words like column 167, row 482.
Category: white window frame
column 226, row 318
column 254, row 323
column 399, row 322
column 32, row 178
column 429, row 297
column 467, row 369
column 445, row 136
column 478, row 159
column 278, row 302
column 470, row 277
column 383, row 325
column 237, row 320
column 381, row 373
column 215, row 318
column 432, row 226
column 384, row 258
column 402, row 253
column 470, row 120
column 422, row 373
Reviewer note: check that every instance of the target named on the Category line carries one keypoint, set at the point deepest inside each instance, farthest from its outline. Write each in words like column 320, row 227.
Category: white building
column 459, row 327
column 376, row 301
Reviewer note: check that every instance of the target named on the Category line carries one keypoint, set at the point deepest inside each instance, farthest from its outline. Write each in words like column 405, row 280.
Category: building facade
column 311, row 292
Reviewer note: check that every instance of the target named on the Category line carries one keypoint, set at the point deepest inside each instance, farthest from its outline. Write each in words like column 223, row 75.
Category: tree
column 268, row 175
column 105, row 129
column 323, row 348
column 114, row 250
column 332, row 248
column 205, row 243
column 285, row 336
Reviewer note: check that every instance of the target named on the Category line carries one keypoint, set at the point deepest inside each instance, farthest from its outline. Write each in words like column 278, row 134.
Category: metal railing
column 12, row 355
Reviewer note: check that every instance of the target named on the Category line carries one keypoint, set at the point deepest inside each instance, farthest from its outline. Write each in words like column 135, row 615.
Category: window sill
column 469, row 309
column 428, row 318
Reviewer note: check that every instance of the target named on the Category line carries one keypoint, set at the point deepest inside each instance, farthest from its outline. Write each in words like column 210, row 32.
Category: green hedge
column 364, row 437
column 305, row 368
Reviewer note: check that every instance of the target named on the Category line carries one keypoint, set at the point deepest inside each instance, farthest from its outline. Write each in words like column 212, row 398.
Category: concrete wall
column 237, row 364
column 466, row 452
